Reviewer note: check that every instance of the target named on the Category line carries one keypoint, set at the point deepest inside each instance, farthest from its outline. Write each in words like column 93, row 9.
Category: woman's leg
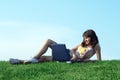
column 44, row 48
column 38, row 57
column 45, row 58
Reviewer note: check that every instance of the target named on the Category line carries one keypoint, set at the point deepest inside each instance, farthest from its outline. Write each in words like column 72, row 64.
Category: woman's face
column 87, row 40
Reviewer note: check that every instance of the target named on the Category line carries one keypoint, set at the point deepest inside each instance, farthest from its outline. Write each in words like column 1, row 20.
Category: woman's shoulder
column 97, row 46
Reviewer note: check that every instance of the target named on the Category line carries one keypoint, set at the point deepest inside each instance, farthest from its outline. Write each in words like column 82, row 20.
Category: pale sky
column 26, row 24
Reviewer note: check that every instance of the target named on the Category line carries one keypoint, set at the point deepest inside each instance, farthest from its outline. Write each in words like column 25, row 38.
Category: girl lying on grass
column 82, row 52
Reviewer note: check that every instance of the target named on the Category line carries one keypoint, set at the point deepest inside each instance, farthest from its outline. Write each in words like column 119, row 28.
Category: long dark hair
column 94, row 39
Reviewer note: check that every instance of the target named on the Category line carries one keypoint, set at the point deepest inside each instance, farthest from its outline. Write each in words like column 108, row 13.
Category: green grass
column 104, row 70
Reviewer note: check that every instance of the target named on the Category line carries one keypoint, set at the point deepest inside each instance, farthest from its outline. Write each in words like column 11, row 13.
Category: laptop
column 60, row 53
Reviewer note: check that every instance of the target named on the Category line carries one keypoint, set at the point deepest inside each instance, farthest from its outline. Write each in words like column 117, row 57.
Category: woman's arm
column 98, row 52
column 72, row 52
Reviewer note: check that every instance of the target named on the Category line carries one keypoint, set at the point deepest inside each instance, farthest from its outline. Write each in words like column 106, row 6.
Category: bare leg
column 38, row 57
column 44, row 48
column 45, row 58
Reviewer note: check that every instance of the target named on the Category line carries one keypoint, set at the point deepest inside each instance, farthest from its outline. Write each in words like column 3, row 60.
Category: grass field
column 104, row 70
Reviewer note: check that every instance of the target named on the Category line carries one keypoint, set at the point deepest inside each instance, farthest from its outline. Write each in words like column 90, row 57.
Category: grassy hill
column 104, row 70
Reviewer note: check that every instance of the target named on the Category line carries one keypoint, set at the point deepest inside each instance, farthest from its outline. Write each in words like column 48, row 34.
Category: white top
column 85, row 52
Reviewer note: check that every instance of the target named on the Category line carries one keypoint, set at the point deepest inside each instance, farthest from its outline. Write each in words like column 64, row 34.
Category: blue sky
column 25, row 24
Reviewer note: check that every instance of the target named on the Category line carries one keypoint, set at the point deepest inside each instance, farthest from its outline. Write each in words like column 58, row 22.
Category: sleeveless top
column 85, row 53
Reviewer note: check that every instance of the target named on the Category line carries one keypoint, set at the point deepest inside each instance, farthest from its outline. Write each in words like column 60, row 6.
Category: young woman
column 84, row 51
column 88, row 47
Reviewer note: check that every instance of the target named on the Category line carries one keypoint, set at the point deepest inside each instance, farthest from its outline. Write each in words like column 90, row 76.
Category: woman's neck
column 89, row 46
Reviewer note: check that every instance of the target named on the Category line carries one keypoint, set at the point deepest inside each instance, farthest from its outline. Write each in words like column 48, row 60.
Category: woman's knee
column 49, row 42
